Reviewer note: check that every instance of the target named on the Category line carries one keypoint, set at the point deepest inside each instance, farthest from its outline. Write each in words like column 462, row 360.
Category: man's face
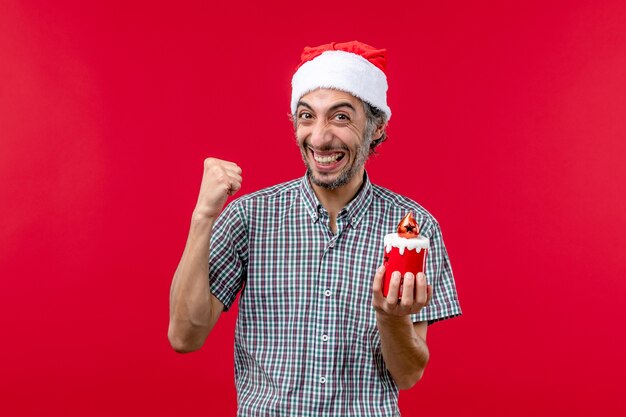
column 331, row 134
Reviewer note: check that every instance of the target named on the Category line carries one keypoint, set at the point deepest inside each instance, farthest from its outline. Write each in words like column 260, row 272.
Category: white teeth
column 327, row 159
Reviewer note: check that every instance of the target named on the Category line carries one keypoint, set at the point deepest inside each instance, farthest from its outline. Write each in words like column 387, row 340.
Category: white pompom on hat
column 353, row 67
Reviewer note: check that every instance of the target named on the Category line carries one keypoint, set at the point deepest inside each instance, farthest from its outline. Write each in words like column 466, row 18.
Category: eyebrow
column 331, row 109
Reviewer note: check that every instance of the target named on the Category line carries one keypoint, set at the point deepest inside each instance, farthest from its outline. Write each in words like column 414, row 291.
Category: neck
column 336, row 199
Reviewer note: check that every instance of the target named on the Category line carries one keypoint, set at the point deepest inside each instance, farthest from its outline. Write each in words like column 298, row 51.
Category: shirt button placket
column 325, row 339
column 325, row 349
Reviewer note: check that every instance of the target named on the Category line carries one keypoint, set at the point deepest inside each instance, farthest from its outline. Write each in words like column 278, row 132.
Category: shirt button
column 325, row 338
column 322, row 380
column 327, row 293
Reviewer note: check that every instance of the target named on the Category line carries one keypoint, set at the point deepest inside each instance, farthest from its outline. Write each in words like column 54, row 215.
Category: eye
column 305, row 115
column 342, row 117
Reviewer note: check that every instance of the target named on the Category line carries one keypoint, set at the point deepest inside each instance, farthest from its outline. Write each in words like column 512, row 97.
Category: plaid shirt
column 306, row 341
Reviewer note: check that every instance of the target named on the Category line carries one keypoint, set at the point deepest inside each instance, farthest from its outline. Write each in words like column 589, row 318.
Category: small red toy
column 405, row 251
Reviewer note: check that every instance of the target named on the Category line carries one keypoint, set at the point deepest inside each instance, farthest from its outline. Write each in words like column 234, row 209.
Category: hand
column 416, row 294
column 219, row 180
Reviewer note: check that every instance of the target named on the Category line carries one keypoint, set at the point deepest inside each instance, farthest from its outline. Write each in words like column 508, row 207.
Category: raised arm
column 403, row 343
column 193, row 309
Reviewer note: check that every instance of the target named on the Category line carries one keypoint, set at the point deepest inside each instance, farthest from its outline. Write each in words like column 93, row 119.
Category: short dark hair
column 375, row 118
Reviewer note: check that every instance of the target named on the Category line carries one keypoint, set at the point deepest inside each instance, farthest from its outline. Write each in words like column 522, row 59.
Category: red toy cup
column 403, row 255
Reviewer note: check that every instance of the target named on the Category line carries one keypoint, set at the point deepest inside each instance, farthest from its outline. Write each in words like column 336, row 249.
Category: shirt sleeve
column 444, row 303
column 228, row 258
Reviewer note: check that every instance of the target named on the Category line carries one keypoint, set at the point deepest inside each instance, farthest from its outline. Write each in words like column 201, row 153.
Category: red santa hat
column 353, row 67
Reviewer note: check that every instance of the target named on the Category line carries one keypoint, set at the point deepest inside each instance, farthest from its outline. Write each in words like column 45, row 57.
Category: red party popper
column 405, row 251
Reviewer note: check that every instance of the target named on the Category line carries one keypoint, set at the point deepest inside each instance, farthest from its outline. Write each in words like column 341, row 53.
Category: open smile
column 327, row 160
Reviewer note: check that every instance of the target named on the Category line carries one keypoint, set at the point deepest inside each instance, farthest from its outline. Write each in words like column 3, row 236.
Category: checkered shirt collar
column 353, row 211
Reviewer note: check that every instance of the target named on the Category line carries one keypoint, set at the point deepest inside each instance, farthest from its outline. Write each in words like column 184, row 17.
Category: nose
column 320, row 134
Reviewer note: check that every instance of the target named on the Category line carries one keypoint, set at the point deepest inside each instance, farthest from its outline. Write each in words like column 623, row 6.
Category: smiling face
column 331, row 133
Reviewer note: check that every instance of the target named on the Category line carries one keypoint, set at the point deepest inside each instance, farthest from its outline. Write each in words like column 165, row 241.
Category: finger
column 408, row 290
column 224, row 187
column 216, row 174
column 219, row 169
column 394, row 285
column 232, row 190
column 233, row 168
column 377, row 287
column 227, row 185
column 235, row 177
column 420, row 290
column 233, row 187
column 234, row 183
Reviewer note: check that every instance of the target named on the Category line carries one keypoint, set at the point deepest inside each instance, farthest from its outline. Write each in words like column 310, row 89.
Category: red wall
column 514, row 114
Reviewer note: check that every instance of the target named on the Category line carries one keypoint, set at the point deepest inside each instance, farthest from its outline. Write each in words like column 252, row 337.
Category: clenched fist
column 219, row 180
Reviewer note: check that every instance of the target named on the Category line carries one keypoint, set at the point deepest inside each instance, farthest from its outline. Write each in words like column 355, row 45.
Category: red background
column 511, row 118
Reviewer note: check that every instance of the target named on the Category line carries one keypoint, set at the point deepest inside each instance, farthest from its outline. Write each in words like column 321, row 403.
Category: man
column 315, row 335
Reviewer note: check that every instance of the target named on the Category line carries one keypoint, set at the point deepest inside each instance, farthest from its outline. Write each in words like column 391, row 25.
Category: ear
column 294, row 121
column 380, row 129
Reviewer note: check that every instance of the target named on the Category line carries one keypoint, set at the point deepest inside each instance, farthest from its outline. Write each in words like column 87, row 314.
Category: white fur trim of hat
column 345, row 71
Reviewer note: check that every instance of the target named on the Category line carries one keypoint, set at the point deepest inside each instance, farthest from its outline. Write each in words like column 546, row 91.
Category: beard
column 347, row 174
